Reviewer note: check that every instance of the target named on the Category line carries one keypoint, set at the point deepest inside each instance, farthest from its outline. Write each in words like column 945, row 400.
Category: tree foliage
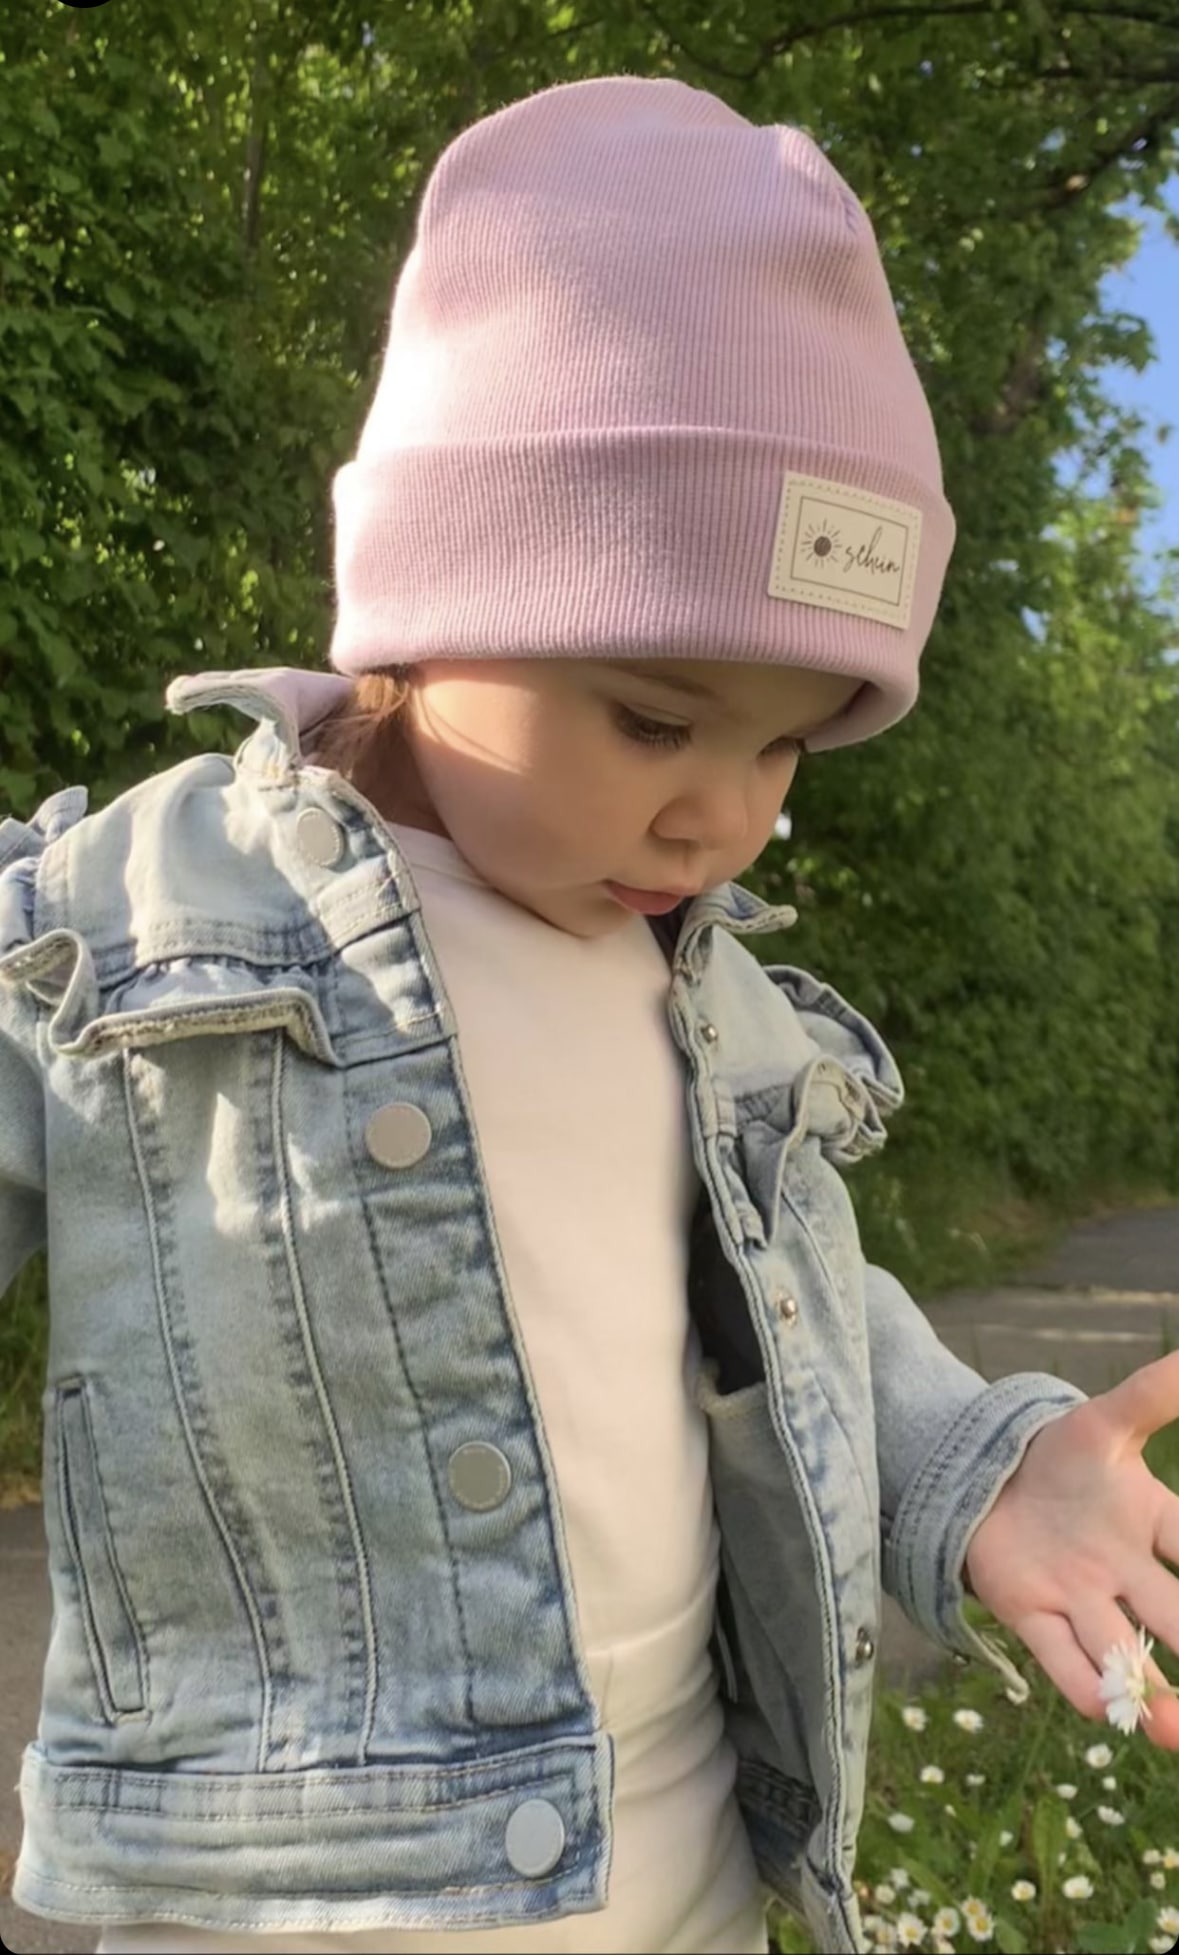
column 202, row 214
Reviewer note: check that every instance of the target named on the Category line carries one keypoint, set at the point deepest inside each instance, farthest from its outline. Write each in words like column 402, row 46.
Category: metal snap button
column 786, row 1308
column 535, row 1837
column 710, row 1033
column 319, row 837
column 865, row 1647
column 398, row 1135
column 479, row 1475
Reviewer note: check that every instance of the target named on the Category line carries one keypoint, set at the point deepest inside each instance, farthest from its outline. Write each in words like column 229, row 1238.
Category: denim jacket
column 290, row 1681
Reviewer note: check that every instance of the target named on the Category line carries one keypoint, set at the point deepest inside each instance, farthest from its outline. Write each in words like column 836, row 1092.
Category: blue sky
column 1149, row 287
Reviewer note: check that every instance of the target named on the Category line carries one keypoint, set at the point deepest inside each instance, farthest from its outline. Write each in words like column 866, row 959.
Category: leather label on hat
column 845, row 550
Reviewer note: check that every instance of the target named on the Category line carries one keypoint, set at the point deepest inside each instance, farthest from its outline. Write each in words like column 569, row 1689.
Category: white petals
column 1122, row 1690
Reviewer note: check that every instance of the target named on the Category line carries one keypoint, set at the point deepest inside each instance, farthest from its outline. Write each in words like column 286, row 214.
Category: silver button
column 479, row 1475
column 398, row 1135
column 535, row 1838
column 786, row 1308
column 710, row 1033
column 865, row 1647
column 320, row 838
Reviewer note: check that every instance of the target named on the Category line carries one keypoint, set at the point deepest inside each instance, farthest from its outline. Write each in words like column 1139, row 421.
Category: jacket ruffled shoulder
column 22, row 846
column 851, row 1057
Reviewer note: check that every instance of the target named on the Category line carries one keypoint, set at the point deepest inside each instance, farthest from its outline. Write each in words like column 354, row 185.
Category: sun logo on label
column 819, row 542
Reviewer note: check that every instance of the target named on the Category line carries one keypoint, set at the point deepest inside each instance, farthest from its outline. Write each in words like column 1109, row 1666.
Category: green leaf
column 1048, row 1838
column 1127, row 1937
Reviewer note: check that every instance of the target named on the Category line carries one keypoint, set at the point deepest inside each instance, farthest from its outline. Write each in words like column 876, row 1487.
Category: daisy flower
column 914, row 1717
column 946, row 1922
column 1125, row 1687
column 1078, row 1887
column 980, row 1922
column 932, row 1775
column 900, row 1822
column 910, row 1930
column 968, row 1720
column 1023, row 1890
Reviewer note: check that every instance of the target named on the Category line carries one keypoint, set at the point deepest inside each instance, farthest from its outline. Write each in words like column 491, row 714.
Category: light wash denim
column 294, row 1675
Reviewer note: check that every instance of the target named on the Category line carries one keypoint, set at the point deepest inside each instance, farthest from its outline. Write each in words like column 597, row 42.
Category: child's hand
column 1082, row 1522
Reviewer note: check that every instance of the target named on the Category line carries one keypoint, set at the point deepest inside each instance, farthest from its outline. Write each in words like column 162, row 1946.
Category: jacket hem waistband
column 317, row 1850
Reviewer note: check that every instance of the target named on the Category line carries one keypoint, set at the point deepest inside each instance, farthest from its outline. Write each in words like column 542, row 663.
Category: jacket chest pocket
column 114, row 1642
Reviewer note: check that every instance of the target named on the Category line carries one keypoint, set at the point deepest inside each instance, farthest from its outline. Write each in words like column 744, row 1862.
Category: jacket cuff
column 924, row 1551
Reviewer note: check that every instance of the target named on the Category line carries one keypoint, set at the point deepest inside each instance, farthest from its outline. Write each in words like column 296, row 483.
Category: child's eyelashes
column 656, row 733
column 651, row 733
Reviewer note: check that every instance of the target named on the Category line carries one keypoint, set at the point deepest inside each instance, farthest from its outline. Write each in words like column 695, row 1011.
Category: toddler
column 475, row 1444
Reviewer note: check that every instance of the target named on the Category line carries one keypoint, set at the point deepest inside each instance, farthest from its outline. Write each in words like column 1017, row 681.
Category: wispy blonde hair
column 358, row 736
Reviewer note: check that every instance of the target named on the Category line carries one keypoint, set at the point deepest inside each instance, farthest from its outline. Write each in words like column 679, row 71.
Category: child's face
column 528, row 767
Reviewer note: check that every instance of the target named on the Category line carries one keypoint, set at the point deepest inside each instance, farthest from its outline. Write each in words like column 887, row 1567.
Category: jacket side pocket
column 113, row 1637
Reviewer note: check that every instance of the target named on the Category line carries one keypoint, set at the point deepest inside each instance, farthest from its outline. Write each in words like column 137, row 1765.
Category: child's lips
column 648, row 902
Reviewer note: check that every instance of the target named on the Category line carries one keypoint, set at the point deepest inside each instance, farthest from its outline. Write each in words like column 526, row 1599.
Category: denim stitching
column 343, row 1478
column 198, row 1465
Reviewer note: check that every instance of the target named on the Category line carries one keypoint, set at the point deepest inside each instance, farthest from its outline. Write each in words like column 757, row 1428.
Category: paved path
column 1104, row 1303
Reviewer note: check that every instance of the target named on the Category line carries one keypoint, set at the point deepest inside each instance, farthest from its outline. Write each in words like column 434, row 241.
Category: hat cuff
column 632, row 542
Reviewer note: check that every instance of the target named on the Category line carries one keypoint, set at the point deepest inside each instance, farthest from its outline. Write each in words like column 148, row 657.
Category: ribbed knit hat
column 644, row 394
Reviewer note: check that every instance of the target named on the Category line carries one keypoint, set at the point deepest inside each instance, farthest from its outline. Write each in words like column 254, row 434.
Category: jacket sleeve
column 946, row 1441
column 22, row 1115
column 946, row 1444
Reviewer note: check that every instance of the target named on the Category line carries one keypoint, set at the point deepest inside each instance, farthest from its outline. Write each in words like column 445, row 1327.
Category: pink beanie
column 644, row 394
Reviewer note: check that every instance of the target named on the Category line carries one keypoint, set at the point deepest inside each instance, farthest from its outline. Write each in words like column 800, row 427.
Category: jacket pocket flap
column 183, row 997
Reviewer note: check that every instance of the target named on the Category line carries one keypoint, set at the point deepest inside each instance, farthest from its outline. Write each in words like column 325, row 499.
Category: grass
column 24, row 1337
